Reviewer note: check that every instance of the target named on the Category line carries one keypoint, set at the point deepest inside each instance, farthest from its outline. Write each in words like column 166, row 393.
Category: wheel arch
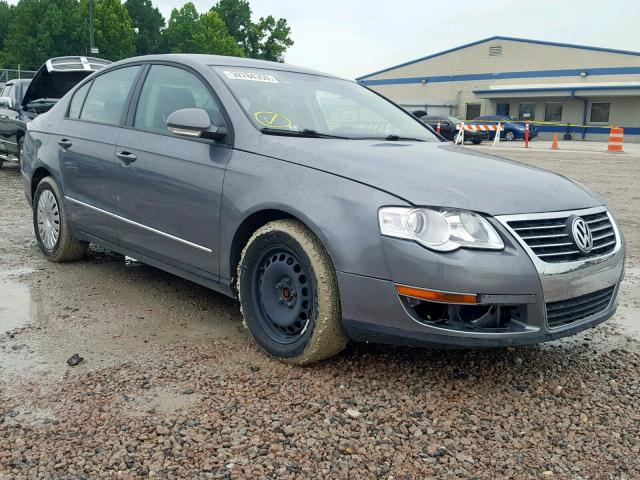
column 36, row 178
column 256, row 220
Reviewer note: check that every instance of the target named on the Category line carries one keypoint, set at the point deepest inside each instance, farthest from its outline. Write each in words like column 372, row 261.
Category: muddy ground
column 171, row 385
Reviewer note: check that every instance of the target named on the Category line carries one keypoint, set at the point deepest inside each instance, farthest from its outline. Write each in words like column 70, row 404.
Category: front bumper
column 511, row 279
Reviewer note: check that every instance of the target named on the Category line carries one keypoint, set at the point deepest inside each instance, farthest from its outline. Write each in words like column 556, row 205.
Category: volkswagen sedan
column 328, row 211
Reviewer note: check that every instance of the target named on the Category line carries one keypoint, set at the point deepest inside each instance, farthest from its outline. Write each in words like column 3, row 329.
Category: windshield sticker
column 252, row 77
column 273, row 120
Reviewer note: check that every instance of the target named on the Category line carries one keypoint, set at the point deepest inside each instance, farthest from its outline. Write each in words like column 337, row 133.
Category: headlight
column 441, row 230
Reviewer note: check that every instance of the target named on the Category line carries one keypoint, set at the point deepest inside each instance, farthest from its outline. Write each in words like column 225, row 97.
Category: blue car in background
column 513, row 128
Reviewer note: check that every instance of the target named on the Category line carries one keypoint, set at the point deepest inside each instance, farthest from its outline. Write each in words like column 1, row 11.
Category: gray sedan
column 330, row 213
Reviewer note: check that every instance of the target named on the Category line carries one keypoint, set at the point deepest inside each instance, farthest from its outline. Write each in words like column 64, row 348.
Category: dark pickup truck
column 22, row 100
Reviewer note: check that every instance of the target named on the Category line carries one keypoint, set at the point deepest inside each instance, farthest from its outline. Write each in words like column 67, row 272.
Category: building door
column 473, row 111
column 502, row 109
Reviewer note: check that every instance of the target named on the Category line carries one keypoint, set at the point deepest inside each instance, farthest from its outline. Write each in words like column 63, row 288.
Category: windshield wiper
column 307, row 133
column 391, row 138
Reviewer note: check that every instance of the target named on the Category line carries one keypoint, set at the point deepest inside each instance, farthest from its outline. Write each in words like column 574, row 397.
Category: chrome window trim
column 561, row 267
column 145, row 227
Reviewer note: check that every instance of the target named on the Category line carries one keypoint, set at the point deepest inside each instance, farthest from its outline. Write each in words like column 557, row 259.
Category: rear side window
column 107, row 96
column 168, row 89
column 78, row 100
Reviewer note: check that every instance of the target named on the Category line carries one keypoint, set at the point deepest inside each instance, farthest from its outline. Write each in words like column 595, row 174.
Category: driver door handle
column 126, row 157
column 64, row 143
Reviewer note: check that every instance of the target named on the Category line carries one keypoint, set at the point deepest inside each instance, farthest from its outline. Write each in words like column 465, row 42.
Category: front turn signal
column 435, row 296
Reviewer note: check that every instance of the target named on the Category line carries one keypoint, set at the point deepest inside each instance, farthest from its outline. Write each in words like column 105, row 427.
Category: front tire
column 509, row 136
column 289, row 294
column 52, row 231
column 20, row 152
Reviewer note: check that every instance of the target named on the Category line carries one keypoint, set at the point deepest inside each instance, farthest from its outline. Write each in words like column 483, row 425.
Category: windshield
column 290, row 103
column 453, row 119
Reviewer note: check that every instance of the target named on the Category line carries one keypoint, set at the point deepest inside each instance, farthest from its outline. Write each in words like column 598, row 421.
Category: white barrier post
column 496, row 138
column 460, row 137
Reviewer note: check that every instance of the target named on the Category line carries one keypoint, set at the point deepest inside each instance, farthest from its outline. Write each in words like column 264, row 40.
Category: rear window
column 78, row 100
column 107, row 96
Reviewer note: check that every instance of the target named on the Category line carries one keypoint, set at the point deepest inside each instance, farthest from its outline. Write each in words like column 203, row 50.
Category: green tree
column 40, row 29
column 6, row 14
column 267, row 39
column 190, row 32
column 113, row 29
column 149, row 23
column 275, row 38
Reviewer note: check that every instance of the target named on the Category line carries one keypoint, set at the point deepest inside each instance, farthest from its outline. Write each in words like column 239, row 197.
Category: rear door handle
column 64, row 143
column 126, row 157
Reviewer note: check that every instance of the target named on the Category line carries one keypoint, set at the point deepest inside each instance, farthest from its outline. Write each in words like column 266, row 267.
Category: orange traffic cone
column 615, row 140
column 554, row 145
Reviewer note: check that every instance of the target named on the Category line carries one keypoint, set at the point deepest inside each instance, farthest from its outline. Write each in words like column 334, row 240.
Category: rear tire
column 509, row 136
column 52, row 231
column 289, row 294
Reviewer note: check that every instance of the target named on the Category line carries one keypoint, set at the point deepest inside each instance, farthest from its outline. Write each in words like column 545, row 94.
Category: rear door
column 87, row 141
column 8, row 117
column 169, row 188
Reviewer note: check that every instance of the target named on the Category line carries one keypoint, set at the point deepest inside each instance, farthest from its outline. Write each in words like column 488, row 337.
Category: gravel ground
column 171, row 386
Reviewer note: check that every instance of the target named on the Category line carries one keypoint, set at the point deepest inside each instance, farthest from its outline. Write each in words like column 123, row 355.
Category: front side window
column 78, row 100
column 527, row 111
column 600, row 112
column 278, row 101
column 108, row 95
column 168, row 89
column 553, row 112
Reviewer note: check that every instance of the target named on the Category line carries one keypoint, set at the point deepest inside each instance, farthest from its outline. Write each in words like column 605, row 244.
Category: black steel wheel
column 289, row 294
column 283, row 294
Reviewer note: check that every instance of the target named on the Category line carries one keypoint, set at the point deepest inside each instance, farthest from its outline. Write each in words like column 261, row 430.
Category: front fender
column 342, row 213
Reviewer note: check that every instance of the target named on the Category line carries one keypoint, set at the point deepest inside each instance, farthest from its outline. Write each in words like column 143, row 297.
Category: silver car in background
column 331, row 213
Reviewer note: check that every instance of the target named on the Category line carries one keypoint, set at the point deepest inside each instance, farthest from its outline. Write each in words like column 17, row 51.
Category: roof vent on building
column 495, row 51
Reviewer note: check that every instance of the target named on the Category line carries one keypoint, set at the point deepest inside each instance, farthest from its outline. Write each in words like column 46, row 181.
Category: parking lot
column 171, row 385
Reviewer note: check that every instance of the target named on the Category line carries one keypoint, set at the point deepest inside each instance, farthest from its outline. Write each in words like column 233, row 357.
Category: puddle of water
column 19, row 306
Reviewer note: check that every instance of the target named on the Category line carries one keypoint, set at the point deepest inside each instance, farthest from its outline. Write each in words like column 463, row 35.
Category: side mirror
column 6, row 102
column 194, row 122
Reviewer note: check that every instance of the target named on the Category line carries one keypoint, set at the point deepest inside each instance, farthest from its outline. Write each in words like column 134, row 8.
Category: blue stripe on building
column 570, row 72
column 580, row 130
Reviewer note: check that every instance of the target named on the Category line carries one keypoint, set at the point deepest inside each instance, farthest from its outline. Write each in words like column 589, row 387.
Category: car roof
column 224, row 61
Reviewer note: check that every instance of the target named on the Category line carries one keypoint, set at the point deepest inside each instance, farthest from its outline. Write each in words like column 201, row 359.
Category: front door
column 8, row 117
column 169, row 188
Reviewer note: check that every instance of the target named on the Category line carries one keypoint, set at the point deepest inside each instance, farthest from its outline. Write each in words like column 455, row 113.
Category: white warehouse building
column 563, row 88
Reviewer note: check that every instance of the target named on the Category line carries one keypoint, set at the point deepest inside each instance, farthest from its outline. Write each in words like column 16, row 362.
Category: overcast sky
column 355, row 37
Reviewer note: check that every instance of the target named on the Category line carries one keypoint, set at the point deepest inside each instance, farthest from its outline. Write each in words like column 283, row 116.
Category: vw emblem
column 582, row 234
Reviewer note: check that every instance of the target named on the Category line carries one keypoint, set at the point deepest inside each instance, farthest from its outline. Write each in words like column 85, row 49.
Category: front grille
column 568, row 311
column 552, row 241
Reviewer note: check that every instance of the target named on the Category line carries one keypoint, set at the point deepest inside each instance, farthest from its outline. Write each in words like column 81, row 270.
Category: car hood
column 437, row 174
column 52, row 85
